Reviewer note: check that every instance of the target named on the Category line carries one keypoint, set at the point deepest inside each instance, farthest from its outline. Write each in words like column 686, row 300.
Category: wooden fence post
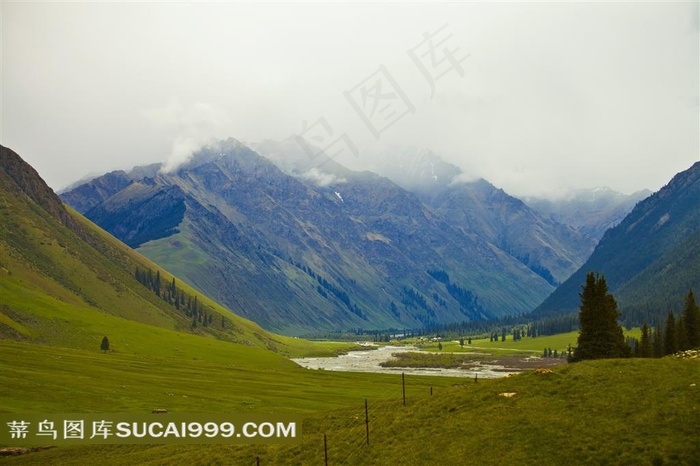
column 367, row 421
column 325, row 449
column 403, row 387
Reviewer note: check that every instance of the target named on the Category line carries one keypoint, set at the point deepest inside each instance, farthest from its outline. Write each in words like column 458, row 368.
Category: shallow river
column 368, row 361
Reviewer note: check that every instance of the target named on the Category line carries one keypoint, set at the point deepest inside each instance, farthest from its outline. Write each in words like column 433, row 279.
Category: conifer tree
column 156, row 286
column 682, row 334
column 691, row 314
column 600, row 334
column 658, row 344
column 104, row 346
column 670, row 335
column 644, row 348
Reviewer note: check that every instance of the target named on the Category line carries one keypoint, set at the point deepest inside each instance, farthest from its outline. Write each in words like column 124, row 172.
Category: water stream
column 368, row 361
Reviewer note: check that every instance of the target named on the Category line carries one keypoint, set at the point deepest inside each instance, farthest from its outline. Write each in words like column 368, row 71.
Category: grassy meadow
column 633, row 411
column 525, row 346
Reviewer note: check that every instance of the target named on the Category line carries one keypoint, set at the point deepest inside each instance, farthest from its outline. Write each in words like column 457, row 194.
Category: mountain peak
column 23, row 178
column 650, row 257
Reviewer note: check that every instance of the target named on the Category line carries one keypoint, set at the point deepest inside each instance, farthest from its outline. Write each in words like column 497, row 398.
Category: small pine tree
column 670, row 335
column 644, row 348
column 691, row 313
column 461, row 342
column 658, row 343
column 104, row 346
column 682, row 334
column 439, row 346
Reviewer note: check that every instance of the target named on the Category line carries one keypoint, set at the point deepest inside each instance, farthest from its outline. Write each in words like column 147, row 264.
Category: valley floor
column 600, row 412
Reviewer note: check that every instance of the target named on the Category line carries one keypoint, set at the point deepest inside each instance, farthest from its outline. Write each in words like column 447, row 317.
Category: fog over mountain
column 590, row 211
column 523, row 95
column 650, row 259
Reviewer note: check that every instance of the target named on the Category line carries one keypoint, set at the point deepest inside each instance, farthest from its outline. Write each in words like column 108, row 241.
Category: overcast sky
column 535, row 97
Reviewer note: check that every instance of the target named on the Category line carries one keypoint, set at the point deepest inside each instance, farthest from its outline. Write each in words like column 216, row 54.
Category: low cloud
column 190, row 126
column 464, row 178
column 322, row 179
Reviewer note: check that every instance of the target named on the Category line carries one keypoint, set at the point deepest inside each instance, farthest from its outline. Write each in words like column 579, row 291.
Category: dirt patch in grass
column 526, row 363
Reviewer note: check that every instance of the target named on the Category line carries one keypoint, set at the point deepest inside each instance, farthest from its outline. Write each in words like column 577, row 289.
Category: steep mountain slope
column 313, row 253
column 63, row 281
column 474, row 207
column 650, row 259
column 550, row 249
column 590, row 211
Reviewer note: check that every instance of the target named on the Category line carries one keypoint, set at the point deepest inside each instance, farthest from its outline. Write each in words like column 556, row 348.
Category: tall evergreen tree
column 671, row 334
column 682, row 334
column 691, row 314
column 644, row 347
column 600, row 334
column 658, row 344
column 156, row 285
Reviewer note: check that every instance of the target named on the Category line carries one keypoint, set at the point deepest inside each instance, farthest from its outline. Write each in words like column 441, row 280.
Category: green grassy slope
column 62, row 278
column 668, row 277
column 639, row 412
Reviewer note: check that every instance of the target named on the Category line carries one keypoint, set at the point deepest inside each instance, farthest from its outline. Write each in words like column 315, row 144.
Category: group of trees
column 461, row 341
column 325, row 288
column 169, row 292
column 468, row 301
column 549, row 353
column 600, row 334
column 674, row 335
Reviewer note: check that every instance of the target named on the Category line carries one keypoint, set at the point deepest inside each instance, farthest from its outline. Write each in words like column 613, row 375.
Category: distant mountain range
column 305, row 245
column 650, row 259
column 301, row 244
column 590, row 211
column 473, row 206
